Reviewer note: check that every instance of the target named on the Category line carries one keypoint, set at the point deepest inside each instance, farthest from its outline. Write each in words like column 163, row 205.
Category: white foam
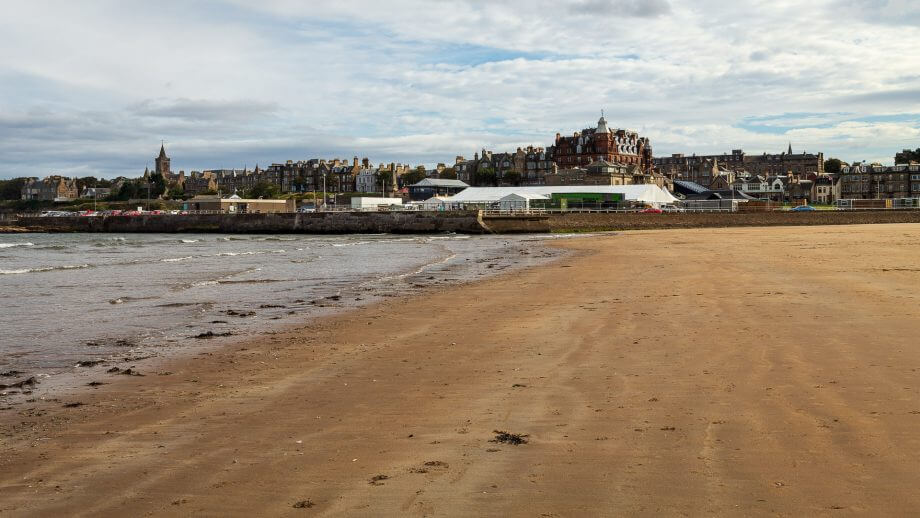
column 43, row 269
column 14, row 245
column 177, row 259
column 356, row 243
column 190, row 241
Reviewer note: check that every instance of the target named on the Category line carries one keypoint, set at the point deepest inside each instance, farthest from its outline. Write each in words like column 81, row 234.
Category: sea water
column 69, row 298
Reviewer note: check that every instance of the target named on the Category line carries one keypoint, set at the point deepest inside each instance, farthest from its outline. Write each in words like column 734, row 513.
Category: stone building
column 873, row 182
column 603, row 172
column 534, row 163
column 197, row 183
column 526, row 166
column 825, row 190
column 366, row 178
column 616, row 146
column 799, row 164
column 600, row 172
column 162, row 163
column 51, row 188
column 694, row 168
column 699, row 169
column 388, row 176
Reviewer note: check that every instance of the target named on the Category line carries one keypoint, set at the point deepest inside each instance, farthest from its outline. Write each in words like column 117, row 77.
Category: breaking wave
column 44, row 269
column 176, row 259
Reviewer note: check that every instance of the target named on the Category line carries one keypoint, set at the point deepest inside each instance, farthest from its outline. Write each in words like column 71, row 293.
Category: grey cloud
column 628, row 8
column 906, row 98
column 884, row 12
column 202, row 110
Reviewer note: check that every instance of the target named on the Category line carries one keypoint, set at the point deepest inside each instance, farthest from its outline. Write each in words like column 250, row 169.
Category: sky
column 92, row 88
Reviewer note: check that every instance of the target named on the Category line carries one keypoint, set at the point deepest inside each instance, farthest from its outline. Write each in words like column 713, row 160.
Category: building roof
column 690, row 186
column 602, row 125
column 645, row 193
column 525, row 196
column 432, row 182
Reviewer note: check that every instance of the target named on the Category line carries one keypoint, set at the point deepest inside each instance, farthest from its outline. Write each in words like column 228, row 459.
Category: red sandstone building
column 603, row 144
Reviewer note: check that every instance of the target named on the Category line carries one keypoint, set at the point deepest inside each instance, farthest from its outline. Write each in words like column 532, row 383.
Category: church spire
column 162, row 149
column 790, row 149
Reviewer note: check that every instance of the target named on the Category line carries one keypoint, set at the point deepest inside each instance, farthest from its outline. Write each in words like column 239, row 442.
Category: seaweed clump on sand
column 509, row 438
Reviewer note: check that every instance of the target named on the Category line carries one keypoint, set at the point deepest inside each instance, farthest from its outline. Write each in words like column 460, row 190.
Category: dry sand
column 757, row 371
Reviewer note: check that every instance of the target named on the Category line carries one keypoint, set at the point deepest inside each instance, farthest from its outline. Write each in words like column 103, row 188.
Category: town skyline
column 90, row 89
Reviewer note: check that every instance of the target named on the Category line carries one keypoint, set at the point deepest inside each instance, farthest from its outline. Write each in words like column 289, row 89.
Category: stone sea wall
column 466, row 222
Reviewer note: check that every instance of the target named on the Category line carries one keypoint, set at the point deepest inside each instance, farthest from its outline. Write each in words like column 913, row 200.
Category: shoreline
column 642, row 388
column 147, row 356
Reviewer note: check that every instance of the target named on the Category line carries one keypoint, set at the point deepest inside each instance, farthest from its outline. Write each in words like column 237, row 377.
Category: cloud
column 886, row 12
column 202, row 110
column 228, row 83
column 627, row 8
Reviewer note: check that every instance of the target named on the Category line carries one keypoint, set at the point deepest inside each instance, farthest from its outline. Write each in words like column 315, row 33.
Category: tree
column 157, row 186
column 175, row 193
column 415, row 176
column 92, row 181
column 129, row 191
column 832, row 166
column 11, row 189
column 907, row 156
column 384, row 177
column 513, row 178
column 448, row 174
column 484, row 176
column 264, row 190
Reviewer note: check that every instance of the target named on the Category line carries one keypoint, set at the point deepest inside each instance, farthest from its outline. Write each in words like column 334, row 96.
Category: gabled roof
column 432, row 182
column 525, row 196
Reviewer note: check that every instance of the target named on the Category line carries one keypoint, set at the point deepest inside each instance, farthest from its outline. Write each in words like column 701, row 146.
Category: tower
column 162, row 162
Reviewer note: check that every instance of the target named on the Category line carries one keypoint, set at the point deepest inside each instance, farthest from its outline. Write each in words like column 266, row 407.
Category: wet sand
column 757, row 371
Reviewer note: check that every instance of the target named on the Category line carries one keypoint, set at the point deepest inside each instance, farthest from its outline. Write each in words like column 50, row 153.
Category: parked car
column 803, row 208
column 652, row 210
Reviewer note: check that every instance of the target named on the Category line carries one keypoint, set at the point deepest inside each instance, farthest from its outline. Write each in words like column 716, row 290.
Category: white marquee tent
column 651, row 194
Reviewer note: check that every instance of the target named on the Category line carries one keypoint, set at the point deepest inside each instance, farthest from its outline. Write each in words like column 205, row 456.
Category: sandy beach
column 730, row 372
